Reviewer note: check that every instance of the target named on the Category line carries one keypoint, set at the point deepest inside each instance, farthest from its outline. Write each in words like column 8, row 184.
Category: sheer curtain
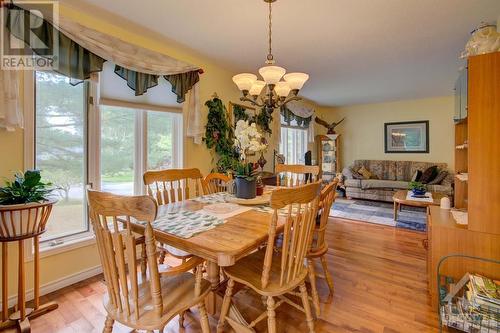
column 293, row 144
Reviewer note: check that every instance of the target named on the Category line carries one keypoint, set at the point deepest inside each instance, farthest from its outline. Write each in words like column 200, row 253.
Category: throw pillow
column 429, row 174
column 416, row 176
column 364, row 172
column 355, row 174
column 439, row 178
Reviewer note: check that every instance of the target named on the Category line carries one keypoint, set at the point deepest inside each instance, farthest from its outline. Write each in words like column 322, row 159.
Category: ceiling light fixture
column 276, row 93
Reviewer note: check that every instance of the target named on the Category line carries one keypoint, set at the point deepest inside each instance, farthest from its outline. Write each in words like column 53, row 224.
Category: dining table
column 222, row 245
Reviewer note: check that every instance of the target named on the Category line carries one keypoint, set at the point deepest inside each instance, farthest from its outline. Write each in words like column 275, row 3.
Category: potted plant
column 247, row 140
column 25, row 205
column 417, row 188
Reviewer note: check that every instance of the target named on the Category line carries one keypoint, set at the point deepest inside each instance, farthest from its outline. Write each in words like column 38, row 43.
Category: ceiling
column 355, row 51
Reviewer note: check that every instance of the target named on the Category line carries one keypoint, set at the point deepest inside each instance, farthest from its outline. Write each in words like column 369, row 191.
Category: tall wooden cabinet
column 484, row 143
column 480, row 159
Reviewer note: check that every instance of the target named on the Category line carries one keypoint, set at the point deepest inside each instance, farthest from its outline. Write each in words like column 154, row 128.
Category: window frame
column 92, row 155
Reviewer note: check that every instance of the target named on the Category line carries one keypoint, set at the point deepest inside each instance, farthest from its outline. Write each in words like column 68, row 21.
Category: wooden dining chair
column 273, row 273
column 215, row 182
column 141, row 301
column 170, row 186
column 319, row 246
column 289, row 175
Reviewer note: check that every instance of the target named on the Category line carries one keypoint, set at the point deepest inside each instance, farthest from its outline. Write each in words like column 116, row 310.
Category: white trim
column 139, row 106
column 29, row 119
column 59, row 283
column 85, row 239
column 141, row 149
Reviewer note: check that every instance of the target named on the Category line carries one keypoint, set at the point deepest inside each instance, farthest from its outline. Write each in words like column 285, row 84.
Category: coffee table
column 399, row 199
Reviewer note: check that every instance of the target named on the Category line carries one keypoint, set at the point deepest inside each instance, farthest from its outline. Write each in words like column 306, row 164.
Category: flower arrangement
column 248, row 139
column 417, row 188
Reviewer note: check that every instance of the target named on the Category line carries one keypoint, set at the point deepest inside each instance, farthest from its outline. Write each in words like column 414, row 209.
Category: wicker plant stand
column 19, row 223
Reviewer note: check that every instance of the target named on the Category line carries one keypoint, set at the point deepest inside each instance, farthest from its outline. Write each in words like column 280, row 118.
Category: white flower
column 247, row 138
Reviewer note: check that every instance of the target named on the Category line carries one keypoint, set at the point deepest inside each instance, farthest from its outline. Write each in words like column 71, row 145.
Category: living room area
column 250, row 166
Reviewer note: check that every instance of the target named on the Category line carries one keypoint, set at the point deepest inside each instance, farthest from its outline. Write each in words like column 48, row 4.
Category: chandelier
column 275, row 92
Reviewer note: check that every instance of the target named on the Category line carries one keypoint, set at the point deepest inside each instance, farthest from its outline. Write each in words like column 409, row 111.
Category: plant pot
column 24, row 220
column 418, row 191
column 245, row 189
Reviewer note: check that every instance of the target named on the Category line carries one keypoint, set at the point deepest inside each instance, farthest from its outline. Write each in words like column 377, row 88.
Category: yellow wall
column 362, row 132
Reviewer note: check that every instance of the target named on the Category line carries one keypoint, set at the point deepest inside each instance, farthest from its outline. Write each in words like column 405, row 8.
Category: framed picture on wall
column 407, row 137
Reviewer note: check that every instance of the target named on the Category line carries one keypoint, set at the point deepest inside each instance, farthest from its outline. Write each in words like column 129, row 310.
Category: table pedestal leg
column 214, row 279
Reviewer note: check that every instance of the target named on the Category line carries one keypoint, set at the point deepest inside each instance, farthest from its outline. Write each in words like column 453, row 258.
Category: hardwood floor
column 380, row 286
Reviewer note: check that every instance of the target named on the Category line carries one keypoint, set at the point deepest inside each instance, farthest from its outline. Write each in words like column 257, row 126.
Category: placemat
column 185, row 223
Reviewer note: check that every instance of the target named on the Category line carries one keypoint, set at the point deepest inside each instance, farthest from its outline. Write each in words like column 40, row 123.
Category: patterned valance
column 83, row 50
column 74, row 61
column 288, row 117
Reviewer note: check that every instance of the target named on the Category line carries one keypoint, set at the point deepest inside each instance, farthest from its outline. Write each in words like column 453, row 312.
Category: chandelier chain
column 270, row 55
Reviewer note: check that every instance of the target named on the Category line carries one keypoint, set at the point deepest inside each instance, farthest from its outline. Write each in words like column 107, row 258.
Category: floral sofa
column 392, row 176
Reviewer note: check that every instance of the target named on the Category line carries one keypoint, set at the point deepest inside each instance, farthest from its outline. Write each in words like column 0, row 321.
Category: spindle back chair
column 319, row 246
column 273, row 273
column 140, row 301
column 173, row 185
column 215, row 182
column 296, row 174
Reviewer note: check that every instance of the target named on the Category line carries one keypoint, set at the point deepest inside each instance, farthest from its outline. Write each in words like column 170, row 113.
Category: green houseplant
column 417, row 188
column 22, row 200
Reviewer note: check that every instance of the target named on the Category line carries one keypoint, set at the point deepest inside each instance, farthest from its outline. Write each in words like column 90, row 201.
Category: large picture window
column 132, row 138
column 60, row 150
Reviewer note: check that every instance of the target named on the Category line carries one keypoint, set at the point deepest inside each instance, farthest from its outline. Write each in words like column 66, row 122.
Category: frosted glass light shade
column 244, row 81
column 296, row 80
column 257, row 87
column 272, row 74
column 282, row 89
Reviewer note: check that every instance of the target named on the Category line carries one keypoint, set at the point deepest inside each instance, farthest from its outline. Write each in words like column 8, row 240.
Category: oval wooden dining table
column 221, row 246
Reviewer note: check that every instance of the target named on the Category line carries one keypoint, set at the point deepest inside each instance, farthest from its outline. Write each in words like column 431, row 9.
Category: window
column 124, row 133
column 73, row 146
column 293, row 144
column 60, row 150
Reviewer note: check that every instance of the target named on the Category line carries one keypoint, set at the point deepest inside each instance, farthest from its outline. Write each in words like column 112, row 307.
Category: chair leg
column 271, row 315
column 108, row 325
column 225, row 306
column 205, row 327
column 328, row 277
column 144, row 259
column 307, row 307
column 314, row 290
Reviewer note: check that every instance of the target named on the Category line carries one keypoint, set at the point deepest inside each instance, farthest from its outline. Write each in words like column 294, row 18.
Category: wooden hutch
column 477, row 184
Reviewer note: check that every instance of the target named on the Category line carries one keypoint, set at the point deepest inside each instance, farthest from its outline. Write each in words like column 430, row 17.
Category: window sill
column 86, row 240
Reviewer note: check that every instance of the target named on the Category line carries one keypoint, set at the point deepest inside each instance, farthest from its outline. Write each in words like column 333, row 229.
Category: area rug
column 413, row 218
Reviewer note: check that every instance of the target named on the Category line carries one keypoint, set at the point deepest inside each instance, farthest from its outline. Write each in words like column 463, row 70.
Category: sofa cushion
column 379, row 183
column 439, row 178
column 352, row 183
column 406, row 169
column 382, row 169
column 429, row 174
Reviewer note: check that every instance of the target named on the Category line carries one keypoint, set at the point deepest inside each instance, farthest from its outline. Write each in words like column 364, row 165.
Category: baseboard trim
column 58, row 284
